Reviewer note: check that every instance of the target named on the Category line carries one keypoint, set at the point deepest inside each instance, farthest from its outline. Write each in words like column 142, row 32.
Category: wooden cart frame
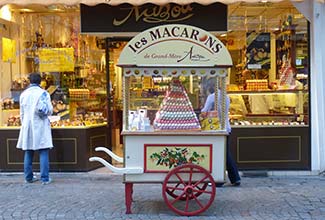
column 187, row 188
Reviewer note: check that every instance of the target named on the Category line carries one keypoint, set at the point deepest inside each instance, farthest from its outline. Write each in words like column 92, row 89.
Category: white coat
column 35, row 131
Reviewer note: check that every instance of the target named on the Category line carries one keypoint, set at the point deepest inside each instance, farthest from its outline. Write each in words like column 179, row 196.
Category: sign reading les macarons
column 175, row 45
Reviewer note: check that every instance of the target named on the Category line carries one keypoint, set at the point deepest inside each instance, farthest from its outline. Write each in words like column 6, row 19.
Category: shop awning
column 133, row 2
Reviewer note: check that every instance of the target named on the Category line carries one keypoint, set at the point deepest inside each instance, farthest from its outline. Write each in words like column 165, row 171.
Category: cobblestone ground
column 101, row 196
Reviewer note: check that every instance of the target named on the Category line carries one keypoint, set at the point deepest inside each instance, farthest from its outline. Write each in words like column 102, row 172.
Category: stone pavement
column 100, row 196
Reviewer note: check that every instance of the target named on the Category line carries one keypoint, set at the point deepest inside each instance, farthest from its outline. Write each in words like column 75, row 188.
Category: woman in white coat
column 35, row 132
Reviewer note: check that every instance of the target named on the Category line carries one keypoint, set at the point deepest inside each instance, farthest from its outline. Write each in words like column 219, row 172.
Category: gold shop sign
column 157, row 14
column 128, row 18
column 56, row 60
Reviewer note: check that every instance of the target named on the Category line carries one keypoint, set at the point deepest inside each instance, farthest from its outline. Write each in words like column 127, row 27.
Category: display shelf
column 173, row 133
column 250, row 92
column 59, row 127
column 270, row 126
column 269, row 107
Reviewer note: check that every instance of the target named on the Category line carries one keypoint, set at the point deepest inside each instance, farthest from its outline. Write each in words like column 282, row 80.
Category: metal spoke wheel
column 185, row 189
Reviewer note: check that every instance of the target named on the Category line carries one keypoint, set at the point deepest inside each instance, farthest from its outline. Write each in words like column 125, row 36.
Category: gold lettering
column 164, row 13
column 118, row 23
column 176, row 11
column 157, row 14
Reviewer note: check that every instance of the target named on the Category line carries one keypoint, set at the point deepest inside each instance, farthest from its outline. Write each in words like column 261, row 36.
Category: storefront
column 283, row 135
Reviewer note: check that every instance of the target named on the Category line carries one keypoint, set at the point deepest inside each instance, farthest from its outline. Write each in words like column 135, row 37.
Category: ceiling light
column 54, row 8
column 26, row 10
column 5, row 13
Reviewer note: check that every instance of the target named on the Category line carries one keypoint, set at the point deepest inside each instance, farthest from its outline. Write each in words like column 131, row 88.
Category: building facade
column 83, row 109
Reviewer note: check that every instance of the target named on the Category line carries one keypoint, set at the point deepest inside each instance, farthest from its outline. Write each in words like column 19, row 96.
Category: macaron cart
column 172, row 149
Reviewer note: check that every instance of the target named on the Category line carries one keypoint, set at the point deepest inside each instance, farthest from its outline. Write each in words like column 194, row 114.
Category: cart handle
column 110, row 153
column 132, row 170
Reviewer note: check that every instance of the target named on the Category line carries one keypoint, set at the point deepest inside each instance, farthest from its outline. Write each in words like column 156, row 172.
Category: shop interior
column 267, row 85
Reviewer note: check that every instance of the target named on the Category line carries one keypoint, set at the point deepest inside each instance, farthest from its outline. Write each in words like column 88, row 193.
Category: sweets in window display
column 95, row 80
column 287, row 74
column 19, row 83
column 13, row 121
column 266, row 122
column 91, row 118
column 176, row 111
column 58, row 106
column 79, row 94
column 256, row 84
column 8, row 103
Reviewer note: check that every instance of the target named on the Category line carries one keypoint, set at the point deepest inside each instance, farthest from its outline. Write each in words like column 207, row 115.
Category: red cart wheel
column 173, row 192
column 185, row 189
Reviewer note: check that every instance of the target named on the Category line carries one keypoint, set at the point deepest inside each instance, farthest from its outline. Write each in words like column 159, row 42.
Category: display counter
column 270, row 129
column 73, row 146
column 271, row 147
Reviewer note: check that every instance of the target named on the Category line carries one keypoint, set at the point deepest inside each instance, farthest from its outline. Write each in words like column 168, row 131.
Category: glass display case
column 73, row 72
column 81, row 106
column 148, row 94
column 79, row 121
column 270, row 129
column 171, row 101
column 78, row 92
column 269, row 108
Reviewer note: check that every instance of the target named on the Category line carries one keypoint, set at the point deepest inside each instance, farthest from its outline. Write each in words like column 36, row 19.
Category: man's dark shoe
column 219, row 184
column 34, row 179
column 237, row 183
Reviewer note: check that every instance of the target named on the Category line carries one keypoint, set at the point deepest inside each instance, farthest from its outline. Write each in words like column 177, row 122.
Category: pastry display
column 20, row 83
column 257, row 84
column 8, row 103
column 79, row 94
column 13, row 121
column 176, row 111
column 58, row 106
column 91, row 118
column 265, row 123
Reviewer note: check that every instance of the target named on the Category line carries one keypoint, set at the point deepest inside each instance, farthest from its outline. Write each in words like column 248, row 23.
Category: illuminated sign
column 56, row 59
column 8, row 50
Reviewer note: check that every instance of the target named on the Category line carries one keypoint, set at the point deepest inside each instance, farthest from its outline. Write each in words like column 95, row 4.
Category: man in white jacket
column 35, row 132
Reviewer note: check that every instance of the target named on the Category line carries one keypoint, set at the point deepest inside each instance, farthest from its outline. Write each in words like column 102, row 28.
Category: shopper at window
column 231, row 166
column 35, row 132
